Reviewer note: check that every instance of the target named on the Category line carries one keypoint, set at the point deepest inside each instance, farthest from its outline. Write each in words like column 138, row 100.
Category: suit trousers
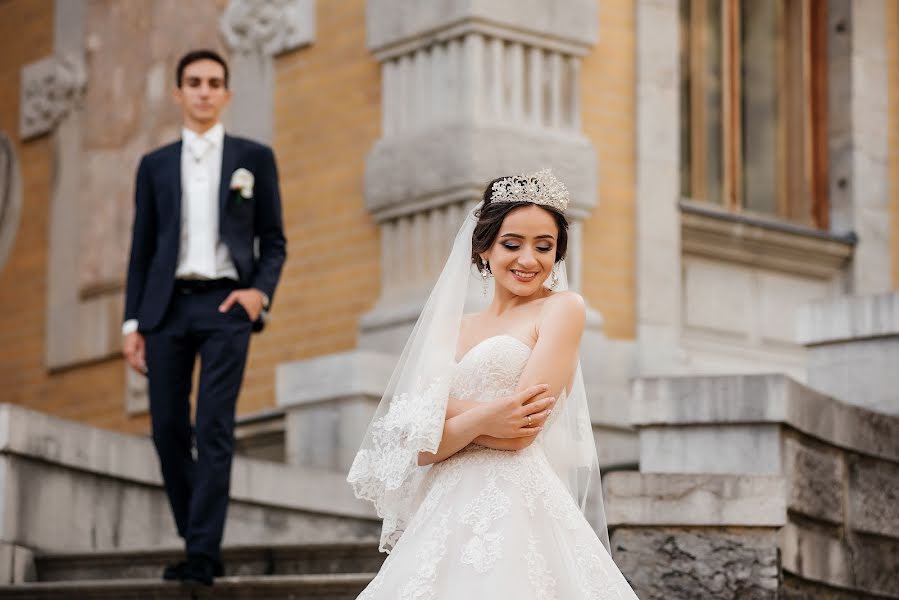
column 197, row 483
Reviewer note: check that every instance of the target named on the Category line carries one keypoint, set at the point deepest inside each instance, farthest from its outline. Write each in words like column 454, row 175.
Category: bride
column 481, row 452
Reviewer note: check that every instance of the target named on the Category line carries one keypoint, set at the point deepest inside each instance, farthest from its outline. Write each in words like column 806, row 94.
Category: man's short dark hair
column 195, row 55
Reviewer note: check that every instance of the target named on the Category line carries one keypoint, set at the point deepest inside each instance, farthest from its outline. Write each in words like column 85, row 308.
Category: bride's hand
column 518, row 415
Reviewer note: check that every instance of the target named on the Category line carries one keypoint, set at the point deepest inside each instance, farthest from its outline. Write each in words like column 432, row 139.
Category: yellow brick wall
column 608, row 113
column 327, row 117
column 892, row 20
column 91, row 393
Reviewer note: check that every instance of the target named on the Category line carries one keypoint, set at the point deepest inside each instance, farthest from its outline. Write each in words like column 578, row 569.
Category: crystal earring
column 555, row 278
column 485, row 275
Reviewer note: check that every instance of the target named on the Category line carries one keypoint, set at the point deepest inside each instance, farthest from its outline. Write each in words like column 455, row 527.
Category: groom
column 198, row 287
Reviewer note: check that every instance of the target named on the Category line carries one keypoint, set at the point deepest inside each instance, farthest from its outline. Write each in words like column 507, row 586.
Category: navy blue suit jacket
column 157, row 227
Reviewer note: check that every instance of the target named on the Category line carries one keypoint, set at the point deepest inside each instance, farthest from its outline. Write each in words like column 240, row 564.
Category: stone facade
column 356, row 91
column 322, row 306
column 759, row 472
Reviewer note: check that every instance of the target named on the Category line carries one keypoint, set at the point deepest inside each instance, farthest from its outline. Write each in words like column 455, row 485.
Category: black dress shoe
column 175, row 571
column 200, row 570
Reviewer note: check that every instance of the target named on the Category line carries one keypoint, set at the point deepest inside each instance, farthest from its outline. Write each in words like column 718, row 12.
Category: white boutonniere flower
column 242, row 180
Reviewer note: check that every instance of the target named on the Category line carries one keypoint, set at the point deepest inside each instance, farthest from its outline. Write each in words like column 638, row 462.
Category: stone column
column 858, row 138
column 658, row 189
column 257, row 31
column 470, row 92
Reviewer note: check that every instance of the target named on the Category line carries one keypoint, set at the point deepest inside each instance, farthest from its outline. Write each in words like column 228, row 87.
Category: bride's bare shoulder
column 569, row 299
column 564, row 309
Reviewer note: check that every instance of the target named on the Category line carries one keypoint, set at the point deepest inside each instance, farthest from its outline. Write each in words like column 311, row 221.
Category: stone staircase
column 334, row 571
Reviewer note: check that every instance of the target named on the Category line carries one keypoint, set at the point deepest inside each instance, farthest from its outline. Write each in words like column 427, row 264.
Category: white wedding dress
column 494, row 524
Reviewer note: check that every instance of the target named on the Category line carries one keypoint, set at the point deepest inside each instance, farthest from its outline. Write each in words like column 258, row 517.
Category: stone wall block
column 866, row 564
column 815, row 476
column 875, row 561
column 873, row 496
column 700, row 564
column 694, row 499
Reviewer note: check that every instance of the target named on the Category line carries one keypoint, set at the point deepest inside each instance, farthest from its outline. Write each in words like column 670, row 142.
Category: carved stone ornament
column 268, row 26
column 51, row 88
column 10, row 197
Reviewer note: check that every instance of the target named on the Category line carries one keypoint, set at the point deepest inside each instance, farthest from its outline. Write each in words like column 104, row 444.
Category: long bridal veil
column 410, row 416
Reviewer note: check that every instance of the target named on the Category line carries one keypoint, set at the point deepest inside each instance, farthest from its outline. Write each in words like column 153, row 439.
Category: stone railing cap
column 732, row 399
column 38, row 436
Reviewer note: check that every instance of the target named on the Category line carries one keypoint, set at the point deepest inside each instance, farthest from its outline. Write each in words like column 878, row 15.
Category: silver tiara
column 541, row 187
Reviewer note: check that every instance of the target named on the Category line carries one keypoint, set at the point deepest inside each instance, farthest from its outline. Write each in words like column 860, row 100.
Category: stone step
column 240, row 561
column 344, row 586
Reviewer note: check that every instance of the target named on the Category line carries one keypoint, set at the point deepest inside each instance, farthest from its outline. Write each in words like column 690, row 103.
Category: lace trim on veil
column 388, row 473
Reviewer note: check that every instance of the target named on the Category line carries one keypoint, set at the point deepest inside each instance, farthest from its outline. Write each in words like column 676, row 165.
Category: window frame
column 802, row 179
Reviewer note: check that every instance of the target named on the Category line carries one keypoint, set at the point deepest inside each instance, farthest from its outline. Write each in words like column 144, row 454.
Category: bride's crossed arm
column 502, row 424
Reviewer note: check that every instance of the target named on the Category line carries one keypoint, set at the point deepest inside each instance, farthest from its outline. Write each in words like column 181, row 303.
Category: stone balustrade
column 68, row 487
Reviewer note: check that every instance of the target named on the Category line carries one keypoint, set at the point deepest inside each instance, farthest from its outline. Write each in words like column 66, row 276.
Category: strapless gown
column 495, row 524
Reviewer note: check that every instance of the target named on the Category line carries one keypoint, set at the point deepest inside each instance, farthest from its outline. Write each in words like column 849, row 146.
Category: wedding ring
column 529, row 420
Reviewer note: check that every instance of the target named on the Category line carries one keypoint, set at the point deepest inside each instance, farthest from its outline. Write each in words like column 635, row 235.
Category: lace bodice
column 491, row 369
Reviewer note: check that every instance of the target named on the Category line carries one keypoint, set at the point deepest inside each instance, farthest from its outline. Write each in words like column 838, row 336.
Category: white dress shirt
column 201, row 254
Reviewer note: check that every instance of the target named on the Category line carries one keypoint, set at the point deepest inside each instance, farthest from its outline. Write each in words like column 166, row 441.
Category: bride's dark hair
column 491, row 217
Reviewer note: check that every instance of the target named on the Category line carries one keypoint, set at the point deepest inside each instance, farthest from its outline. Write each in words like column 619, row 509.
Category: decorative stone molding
column 258, row 30
column 51, row 89
column 10, row 197
column 268, row 26
column 762, row 242
column 392, row 24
